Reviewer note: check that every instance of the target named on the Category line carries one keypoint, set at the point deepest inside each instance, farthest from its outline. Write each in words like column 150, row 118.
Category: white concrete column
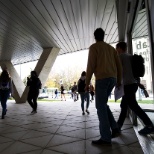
column 43, row 69
column 19, row 86
column 45, row 63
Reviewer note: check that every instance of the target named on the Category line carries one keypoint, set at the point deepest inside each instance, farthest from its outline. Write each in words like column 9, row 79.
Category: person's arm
column 78, row 84
column 11, row 87
column 141, row 86
column 28, row 81
column 91, row 65
column 119, row 69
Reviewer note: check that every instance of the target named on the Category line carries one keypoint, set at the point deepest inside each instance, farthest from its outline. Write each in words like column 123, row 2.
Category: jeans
column 106, row 119
column 129, row 100
column 4, row 95
column 84, row 96
column 56, row 96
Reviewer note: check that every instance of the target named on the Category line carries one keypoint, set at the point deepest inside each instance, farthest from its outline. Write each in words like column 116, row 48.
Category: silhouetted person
column 62, row 93
column 56, row 93
column 83, row 94
column 74, row 91
column 104, row 62
column 34, row 85
column 130, row 87
column 5, row 90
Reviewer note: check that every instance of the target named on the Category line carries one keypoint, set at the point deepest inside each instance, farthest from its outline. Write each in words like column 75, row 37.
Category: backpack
column 81, row 85
column 138, row 67
column 5, row 85
column 74, row 88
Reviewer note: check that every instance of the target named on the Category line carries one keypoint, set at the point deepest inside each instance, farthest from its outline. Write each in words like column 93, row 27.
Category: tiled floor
column 58, row 128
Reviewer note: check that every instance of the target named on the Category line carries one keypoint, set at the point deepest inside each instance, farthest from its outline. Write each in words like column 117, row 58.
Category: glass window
column 140, row 43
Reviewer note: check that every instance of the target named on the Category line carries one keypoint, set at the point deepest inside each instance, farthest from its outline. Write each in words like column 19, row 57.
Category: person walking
column 130, row 88
column 104, row 62
column 62, row 93
column 34, row 85
column 56, row 94
column 74, row 91
column 83, row 94
column 5, row 89
column 92, row 93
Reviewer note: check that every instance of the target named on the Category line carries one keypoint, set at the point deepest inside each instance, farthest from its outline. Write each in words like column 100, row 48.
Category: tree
column 66, row 76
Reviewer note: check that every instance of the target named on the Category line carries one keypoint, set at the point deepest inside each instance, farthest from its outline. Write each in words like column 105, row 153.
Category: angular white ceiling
column 28, row 26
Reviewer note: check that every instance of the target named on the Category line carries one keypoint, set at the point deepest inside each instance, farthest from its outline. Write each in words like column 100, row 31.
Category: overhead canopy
column 28, row 26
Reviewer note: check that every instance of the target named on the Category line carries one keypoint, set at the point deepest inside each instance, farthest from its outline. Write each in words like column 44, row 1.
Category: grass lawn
column 110, row 101
column 142, row 102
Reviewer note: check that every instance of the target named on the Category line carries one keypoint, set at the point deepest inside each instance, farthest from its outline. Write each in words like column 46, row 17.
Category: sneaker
column 87, row 112
column 146, row 130
column 115, row 133
column 33, row 112
column 101, row 142
column 83, row 113
column 2, row 116
column 5, row 112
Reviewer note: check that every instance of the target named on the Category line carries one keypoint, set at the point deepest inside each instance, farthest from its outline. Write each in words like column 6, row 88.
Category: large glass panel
column 140, row 42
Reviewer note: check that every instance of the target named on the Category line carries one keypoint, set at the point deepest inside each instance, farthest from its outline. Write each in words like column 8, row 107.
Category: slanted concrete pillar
column 19, row 86
column 45, row 63
column 43, row 69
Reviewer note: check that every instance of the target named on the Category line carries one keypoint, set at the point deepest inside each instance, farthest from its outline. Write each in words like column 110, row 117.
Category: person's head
column 121, row 47
column 99, row 34
column 74, row 83
column 83, row 73
column 5, row 75
column 33, row 74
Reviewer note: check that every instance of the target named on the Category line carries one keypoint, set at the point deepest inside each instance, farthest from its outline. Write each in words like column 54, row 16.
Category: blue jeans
column 106, row 119
column 84, row 96
column 4, row 95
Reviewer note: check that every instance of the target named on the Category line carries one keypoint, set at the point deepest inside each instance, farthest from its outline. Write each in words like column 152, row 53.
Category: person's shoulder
column 109, row 46
column 93, row 45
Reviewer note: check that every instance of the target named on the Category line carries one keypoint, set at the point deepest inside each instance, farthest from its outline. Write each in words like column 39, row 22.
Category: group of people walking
column 6, row 89
column 110, row 66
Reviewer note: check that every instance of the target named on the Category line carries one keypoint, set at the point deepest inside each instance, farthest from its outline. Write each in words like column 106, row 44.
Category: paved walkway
column 60, row 128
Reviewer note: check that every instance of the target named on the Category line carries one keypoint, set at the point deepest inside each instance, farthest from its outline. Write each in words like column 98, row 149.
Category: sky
column 78, row 59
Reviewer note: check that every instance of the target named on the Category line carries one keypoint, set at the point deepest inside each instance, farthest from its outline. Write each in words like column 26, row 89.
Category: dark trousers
column 129, row 100
column 4, row 94
column 32, row 99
